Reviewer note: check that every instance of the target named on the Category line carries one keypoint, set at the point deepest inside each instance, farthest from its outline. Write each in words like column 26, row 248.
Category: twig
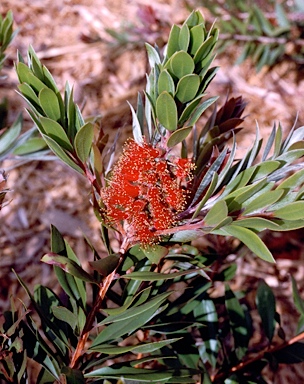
column 259, row 356
column 90, row 319
column 104, row 286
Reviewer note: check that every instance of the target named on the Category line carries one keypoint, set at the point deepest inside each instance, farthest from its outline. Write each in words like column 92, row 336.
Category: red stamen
column 145, row 191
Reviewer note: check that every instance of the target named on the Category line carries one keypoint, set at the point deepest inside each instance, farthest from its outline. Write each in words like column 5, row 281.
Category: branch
column 90, row 319
column 221, row 376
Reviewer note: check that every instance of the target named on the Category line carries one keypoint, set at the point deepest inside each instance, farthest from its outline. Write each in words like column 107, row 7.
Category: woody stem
column 221, row 376
column 90, row 319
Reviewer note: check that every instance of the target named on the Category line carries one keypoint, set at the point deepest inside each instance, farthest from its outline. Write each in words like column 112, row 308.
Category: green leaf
column 189, row 109
column 205, row 312
column 217, row 213
column 73, row 376
column 65, row 315
column 208, row 177
column 204, row 50
column 155, row 276
column 132, row 312
column 143, row 375
column 106, row 265
column 49, row 80
column 49, row 103
column 292, row 211
column 83, row 141
column 23, row 71
column 186, row 235
column 173, row 41
column 194, row 18
column 68, row 266
column 212, row 185
column 187, row 88
column 201, row 109
column 34, row 82
column 155, row 253
column 291, row 156
column 197, row 37
column 265, row 302
column 31, row 146
column 29, row 94
column 153, row 55
column 178, row 136
column 136, row 127
column 290, row 225
column 35, row 64
column 139, row 348
column 282, row 17
column 241, row 195
column 265, row 169
column 10, row 135
column 297, row 300
column 44, row 300
column 140, row 298
column 228, row 273
column 59, row 152
column 250, row 239
column 263, row 201
column 292, row 182
column 238, row 323
column 166, row 111
column 257, row 223
column 184, row 38
column 181, row 64
column 75, row 288
column 55, row 131
column 129, row 321
column 239, row 181
column 165, row 83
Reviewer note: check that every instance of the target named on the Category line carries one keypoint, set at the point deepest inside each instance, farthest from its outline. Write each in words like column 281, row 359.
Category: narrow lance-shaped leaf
column 292, row 211
column 123, row 324
column 139, row 348
column 173, row 41
column 265, row 301
column 59, row 152
column 56, row 132
column 217, row 213
column 136, row 127
column 237, row 319
column 178, row 136
column 69, row 266
column 250, row 239
column 154, row 276
column 201, row 109
column 10, row 135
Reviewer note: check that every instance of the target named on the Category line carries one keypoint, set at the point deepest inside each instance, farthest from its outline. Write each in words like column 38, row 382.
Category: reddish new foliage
column 145, row 192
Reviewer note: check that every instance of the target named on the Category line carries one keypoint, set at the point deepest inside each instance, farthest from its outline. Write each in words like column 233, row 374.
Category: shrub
column 152, row 315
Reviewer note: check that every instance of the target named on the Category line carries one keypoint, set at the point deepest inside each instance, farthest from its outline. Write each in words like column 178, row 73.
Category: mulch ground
column 72, row 39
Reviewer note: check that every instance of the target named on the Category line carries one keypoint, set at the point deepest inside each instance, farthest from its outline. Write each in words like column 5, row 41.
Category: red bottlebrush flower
column 145, row 193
